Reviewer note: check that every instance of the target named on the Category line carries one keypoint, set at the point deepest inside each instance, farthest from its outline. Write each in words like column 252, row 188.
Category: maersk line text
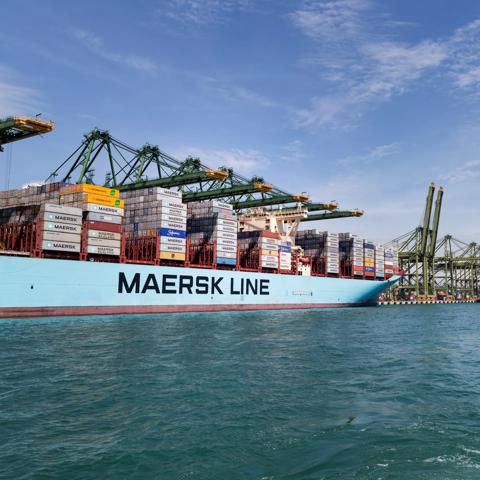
column 192, row 285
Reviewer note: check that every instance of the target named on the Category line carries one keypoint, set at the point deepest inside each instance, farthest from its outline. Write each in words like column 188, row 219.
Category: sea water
column 367, row 393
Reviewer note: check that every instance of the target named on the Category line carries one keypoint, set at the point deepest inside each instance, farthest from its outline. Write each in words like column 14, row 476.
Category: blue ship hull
column 40, row 287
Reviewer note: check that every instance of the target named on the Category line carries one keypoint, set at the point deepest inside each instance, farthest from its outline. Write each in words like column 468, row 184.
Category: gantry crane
column 445, row 268
column 416, row 251
column 129, row 168
column 13, row 129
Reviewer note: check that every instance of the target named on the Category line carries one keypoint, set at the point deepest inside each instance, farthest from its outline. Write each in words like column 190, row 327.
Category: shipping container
column 60, row 236
column 99, row 250
column 100, row 217
column 89, row 188
column 60, row 246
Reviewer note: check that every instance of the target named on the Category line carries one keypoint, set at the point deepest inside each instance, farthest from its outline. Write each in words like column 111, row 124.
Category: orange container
column 101, row 200
column 93, row 189
column 172, row 256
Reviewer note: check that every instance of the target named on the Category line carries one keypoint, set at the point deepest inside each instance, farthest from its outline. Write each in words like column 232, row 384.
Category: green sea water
column 368, row 393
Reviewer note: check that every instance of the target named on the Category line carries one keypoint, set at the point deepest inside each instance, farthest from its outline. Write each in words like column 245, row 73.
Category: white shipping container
column 230, row 223
column 164, row 193
column 269, row 258
column 174, row 225
column 269, row 264
column 63, row 209
column 99, row 250
column 60, row 246
column 104, row 235
column 62, row 227
column 101, row 242
column 229, row 235
column 177, row 212
column 226, row 228
column 174, row 219
column 61, row 237
column 224, row 254
column 227, row 242
column 164, row 203
column 62, row 218
column 227, row 248
column 172, row 248
column 93, row 207
column 101, row 217
column 226, row 206
column 173, row 241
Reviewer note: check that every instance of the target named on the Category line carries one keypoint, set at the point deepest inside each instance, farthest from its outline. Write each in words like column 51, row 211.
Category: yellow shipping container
column 172, row 256
column 88, row 188
column 101, row 200
column 269, row 252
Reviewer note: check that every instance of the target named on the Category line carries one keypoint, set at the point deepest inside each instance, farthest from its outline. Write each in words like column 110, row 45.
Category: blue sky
column 360, row 101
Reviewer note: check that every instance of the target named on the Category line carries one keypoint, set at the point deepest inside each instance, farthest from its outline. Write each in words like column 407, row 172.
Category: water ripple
column 387, row 393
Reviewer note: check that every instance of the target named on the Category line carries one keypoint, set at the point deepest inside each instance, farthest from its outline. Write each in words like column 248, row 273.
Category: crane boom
column 335, row 214
column 426, row 219
column 436, row 222
column 13, row 129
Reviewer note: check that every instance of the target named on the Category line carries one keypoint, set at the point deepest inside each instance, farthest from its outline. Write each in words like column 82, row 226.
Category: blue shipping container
column 369, row 269
column 226, row 261
column 171, row 232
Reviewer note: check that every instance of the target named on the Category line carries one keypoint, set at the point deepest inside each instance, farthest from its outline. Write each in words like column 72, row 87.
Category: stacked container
column 18, row 214
column 103, row 211
column 358, row 261
column 380, row 261
column 214, row 221
column 265, row 242
column 332, row 253
column 31, row 195
column 158, row 211
column 391, row 262
column 60, row 228
column 313, row 242
column 369, row 258
column 285, row 255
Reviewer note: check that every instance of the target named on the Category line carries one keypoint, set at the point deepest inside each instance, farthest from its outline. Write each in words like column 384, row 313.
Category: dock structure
column 436, row 269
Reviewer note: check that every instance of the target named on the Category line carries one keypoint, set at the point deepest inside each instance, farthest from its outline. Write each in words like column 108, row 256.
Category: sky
column 360, row 101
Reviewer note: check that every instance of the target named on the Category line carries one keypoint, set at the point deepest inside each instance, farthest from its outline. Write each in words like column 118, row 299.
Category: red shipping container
column 106, row 227
column 267, row 234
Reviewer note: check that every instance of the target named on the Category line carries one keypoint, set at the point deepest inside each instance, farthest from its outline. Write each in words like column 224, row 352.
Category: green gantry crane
column 416, row 251
column 13, row 129
column 129, row 168
column 436, row 269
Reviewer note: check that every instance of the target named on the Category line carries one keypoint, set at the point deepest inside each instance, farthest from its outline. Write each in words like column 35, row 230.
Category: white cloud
column 380, row 71
column 331, row 19
column 243, row 161
column 467, row 171
column 374, row 154
column 232, row 92
column 16, row 99
column 96, row 44
column 202, row 12
column 360, row 63
column 293, row 152
column 465, row 56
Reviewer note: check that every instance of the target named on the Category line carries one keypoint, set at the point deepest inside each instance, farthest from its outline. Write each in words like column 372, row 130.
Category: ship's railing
column 25, row 238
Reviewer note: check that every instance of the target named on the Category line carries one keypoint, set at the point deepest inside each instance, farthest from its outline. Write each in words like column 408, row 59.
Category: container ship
column 143, row 246
column 92, row 252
